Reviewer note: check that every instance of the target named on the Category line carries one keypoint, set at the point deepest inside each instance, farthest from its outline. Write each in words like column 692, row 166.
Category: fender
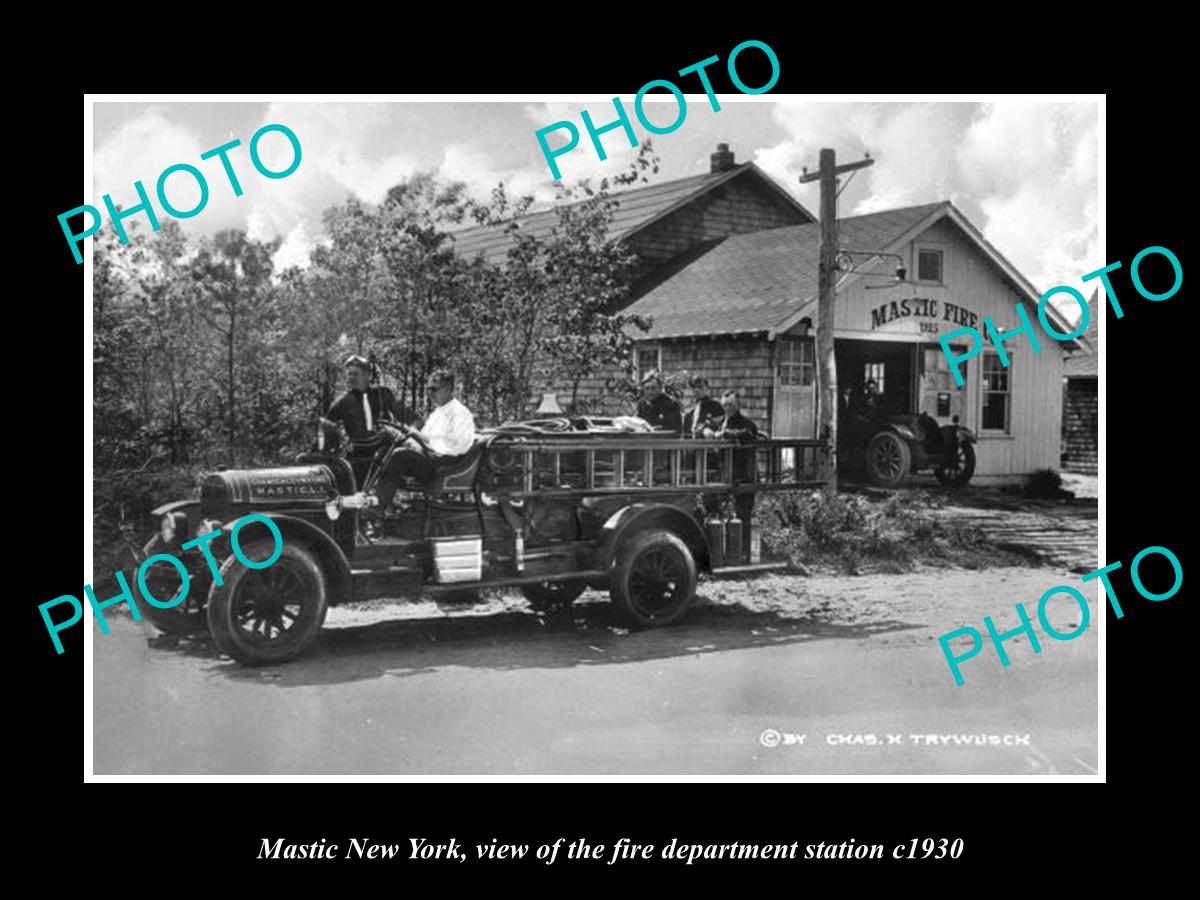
column 178, row 506
column 902, row 431
column 333, row 560
column 638, row 517
column 966, row 436
column 190, row 509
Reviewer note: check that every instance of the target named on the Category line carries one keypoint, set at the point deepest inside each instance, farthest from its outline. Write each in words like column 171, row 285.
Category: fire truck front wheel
column 654, row 579
column 266, row 616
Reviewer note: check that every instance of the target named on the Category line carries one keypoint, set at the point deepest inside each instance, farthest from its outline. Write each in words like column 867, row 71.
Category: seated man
column 449, row 432
column 361, row 409
column 868, row 399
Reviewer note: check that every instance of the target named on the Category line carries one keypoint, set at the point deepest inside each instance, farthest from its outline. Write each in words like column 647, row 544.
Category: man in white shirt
column 449, row 432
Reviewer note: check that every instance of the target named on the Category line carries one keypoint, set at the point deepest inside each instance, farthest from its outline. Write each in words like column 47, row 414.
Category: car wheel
column 888, row 459
column 186, row 618
column 549, row 595
column 265, row 616
column 959, row 471
column 654, row 580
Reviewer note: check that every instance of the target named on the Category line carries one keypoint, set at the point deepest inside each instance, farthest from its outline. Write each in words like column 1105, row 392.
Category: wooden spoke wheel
column 265, row 616
column 958, row 471
column 186, row 618
column 654, row 579
column 550, row 595
column 888, row 459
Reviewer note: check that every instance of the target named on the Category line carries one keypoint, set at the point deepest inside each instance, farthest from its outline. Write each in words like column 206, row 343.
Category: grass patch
column 852, row 534
column 121, row 520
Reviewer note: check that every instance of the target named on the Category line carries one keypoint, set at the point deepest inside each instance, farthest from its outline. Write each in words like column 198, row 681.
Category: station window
column 796, row 363
column 929, row 265
column 648, row 358
column 997, row 394
column 874, row 370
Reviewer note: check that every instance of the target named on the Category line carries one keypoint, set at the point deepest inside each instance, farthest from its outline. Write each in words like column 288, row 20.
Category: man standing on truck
column 656, row 407
column 696, row 419
column 361, row 409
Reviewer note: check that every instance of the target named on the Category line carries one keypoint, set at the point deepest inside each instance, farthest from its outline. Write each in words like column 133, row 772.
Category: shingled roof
column 755, row 282
column 636, row 208
column 767, row 280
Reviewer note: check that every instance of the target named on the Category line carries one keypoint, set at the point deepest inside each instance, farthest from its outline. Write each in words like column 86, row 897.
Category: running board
column 438, row 587
column 389, row 570
column 750, row 568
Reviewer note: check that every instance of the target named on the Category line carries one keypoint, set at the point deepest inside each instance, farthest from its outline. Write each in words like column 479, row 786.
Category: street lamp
column 845, row 262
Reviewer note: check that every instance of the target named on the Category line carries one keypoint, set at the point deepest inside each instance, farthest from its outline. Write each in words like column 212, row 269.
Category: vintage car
column 890, row 445
column 548, row 507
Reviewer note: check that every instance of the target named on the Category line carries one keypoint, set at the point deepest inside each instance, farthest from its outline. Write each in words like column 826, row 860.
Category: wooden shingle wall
column 742, row 363
column 1079, row 426
column 731, row 362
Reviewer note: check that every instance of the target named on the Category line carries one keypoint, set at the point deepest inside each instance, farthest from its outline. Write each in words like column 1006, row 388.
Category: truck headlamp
column 172, row 525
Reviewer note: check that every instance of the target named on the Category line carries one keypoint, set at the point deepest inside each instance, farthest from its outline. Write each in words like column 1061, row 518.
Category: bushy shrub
column 852, row 534
column 1044, row 483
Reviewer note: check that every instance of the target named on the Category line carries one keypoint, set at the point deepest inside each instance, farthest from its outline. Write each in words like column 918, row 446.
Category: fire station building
column 729, row 282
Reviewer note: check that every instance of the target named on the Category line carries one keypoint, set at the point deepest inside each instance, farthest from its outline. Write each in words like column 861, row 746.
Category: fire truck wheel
column 549, row 595
column 654, row 579
column 186, row 618
column 266, row 616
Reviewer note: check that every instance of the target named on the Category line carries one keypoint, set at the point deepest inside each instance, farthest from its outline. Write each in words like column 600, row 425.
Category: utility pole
column 827, row 395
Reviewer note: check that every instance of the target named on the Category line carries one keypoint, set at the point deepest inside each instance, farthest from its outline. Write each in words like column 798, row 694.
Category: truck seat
column 459, row 475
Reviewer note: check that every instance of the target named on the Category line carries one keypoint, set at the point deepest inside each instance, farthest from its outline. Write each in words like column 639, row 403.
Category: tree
column 233, row 275
column 563, row 292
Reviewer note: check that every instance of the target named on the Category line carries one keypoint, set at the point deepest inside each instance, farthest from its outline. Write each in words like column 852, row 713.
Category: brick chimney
column 722, row 160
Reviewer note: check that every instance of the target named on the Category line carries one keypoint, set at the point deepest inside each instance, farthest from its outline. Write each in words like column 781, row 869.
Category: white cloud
column 1025, row 173
column 139, row 150
column 296, row 246
column 583, row 161
column 475, row 168
column 1034, row 168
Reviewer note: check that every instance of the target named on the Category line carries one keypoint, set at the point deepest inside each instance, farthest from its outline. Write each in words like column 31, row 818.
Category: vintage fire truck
column 550, row 508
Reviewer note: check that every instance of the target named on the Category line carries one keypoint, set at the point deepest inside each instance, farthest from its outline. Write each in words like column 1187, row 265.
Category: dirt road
column 496, row 690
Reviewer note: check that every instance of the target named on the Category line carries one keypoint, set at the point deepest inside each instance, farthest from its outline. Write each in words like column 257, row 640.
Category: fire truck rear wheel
column 550, row 595
column 654, row 579
column 265, row 616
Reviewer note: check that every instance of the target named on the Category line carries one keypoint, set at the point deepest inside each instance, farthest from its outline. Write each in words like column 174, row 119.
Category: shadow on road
column 588, row 634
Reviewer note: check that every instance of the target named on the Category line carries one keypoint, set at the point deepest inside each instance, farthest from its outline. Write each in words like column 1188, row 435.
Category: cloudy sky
column 1024, row 172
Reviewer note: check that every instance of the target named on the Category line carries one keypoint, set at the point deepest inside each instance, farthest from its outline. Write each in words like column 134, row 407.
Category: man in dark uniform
column 359, row 411
column 868, row 399
column 656, row 407
column 705, row 410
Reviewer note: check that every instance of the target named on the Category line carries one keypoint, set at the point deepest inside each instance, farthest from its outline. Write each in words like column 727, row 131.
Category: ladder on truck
column 570, row 466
